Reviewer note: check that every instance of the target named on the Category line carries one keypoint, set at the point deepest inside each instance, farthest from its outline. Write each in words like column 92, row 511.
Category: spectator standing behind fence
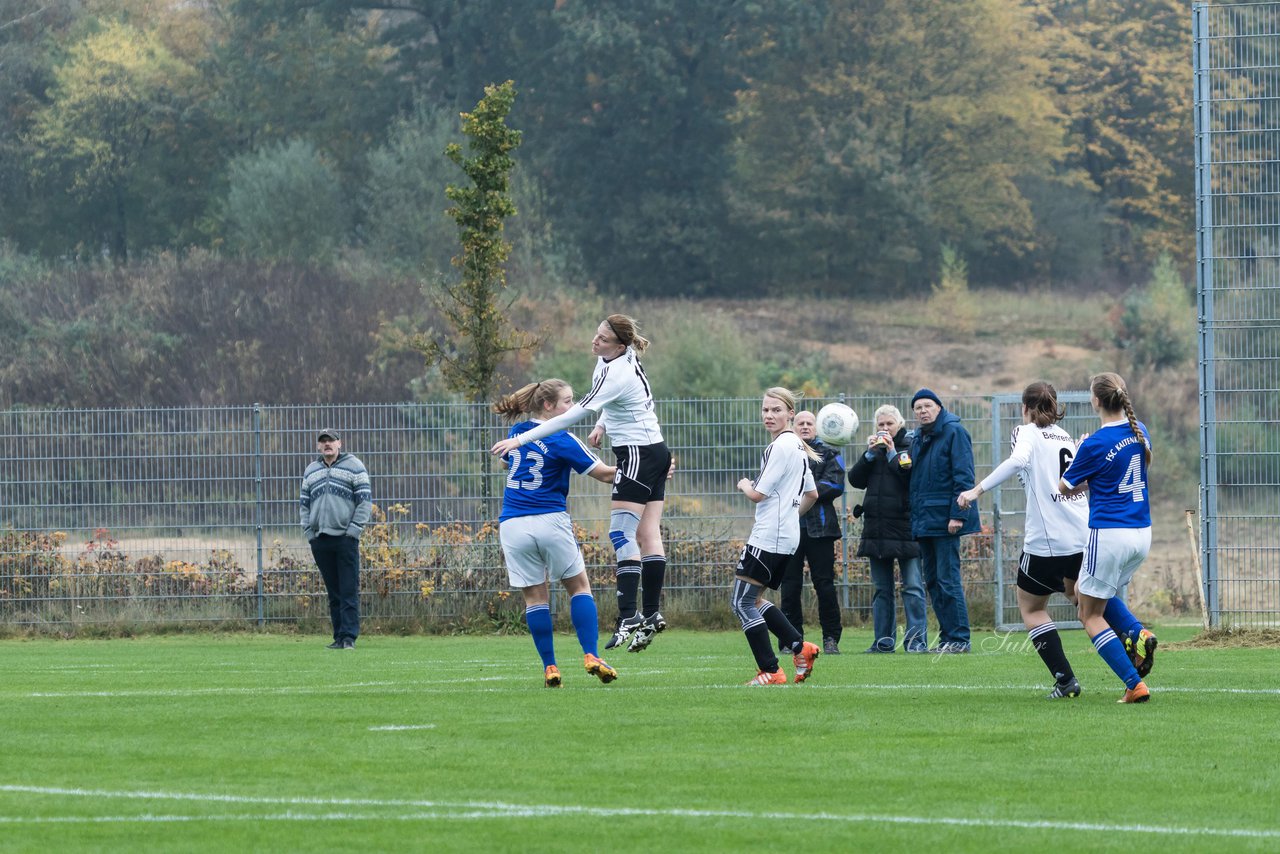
column 538, row 542
column 1112, row 464
column 336, row 503
column 942, row 468
column 782, row 493
column 819, row 533
column 620, row 393
column 884, row 471
column 1055, row 527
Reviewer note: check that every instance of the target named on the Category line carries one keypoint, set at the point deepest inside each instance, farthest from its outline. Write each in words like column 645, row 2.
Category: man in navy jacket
column 942, row 455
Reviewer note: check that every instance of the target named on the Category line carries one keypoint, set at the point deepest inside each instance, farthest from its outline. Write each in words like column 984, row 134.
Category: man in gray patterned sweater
column 336, row 504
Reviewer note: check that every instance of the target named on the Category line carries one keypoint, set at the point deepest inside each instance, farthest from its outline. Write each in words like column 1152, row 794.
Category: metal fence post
column 259, row 511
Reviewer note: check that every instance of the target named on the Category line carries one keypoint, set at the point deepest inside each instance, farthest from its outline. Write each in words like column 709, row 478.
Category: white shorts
column 540, row 548
column 1111, row 558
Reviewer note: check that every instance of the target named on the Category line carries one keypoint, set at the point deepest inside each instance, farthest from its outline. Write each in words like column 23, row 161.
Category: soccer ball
column 836, row 424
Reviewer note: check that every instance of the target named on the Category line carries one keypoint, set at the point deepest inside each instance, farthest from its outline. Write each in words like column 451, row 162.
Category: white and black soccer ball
column 836, row 424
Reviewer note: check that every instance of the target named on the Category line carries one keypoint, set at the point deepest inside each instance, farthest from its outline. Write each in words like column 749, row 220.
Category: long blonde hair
column 789, row 398
column 1113, row 396
column 531, row 399
column 627, row 330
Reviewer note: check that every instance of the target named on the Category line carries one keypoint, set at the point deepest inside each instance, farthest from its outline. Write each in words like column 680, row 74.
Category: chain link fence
column 1237, row 123
column 175, row 515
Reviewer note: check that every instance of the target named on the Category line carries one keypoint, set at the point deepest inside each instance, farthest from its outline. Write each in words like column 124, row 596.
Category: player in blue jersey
column 536, row 533
column 621, row 398
column 1112, row 464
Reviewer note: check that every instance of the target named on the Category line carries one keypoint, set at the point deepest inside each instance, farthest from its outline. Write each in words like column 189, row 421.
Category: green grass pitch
column 250, row 742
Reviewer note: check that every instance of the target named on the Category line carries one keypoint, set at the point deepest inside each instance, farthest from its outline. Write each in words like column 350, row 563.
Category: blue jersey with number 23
column 538, row 479
column 1114, row 462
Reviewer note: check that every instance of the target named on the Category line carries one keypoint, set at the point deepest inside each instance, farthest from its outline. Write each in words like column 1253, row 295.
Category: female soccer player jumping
column 783, row 492
column 1112, row 464
column 621, row 395
column 535, row 530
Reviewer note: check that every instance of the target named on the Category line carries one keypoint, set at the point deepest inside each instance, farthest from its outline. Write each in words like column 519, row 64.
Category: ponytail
column 530, row 399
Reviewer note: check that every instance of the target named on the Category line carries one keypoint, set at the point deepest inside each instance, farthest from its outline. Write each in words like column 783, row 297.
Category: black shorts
column 642, row 473
column 766, row 567
column 1041, row 576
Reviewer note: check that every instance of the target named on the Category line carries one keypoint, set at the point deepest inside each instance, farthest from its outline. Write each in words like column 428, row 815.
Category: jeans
column 884, row 611
column 821, row 554
column 338, row 559
column 940, row 563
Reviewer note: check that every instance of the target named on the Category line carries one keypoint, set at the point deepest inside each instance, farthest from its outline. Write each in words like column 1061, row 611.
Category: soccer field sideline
column 407, row 698
column 474, row 810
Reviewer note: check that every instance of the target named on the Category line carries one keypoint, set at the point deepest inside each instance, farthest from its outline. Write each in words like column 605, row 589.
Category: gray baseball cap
column 330, row 433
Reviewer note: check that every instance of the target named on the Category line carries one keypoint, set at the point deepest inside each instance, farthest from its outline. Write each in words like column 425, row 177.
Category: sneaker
column 1142, row 651
column 1137, row 694
column 873, row 650
column 645, row 634
column 1069, row 690
column 599, row 668
column 762, row 678
column 552, row 676
column 830, row 646
column 335, row 645
column 348, row 644
column 626, row 626
column 804, row 660
column 918, row 649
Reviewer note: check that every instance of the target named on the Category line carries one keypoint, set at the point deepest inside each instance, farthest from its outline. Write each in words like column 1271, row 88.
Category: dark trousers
column 338, row 559
column 940, row 567
column 821, row 554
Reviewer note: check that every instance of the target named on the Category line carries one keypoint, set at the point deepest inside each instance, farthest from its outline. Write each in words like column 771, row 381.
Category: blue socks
column 586, row 621
column 1112, row 652
column 538, row 618
column 1120, row 618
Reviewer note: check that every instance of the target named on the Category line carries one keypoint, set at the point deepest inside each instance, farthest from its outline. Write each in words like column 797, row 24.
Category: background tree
column 916, row 129
column 120, row 136
column 285, row 203
column 1121, row 74
column 480, row 335
column 402, row 206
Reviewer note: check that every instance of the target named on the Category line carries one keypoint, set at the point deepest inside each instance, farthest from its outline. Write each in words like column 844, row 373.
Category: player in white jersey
column 538, row 543
column 783, row 492
column 1055, row 528
column 1112, row 464
column 621, row 397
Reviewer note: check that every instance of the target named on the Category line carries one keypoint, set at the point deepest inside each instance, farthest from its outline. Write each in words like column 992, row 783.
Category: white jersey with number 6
column 1055, row 524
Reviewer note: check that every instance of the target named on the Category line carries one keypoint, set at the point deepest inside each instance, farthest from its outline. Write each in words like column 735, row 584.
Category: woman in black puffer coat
column 884, row 471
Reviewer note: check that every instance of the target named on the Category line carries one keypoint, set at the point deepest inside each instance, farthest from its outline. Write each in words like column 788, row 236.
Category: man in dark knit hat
column 942, row 457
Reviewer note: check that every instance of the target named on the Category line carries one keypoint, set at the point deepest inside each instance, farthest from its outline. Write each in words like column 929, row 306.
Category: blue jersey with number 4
column 538, row 477
column 1114, row 462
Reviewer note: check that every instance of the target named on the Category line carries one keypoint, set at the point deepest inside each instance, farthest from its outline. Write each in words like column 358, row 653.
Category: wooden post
column 1195, row 561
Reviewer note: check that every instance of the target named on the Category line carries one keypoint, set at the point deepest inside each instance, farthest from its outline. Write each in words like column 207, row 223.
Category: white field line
column 453, row 686
column 411, row 810
column 400, row 727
